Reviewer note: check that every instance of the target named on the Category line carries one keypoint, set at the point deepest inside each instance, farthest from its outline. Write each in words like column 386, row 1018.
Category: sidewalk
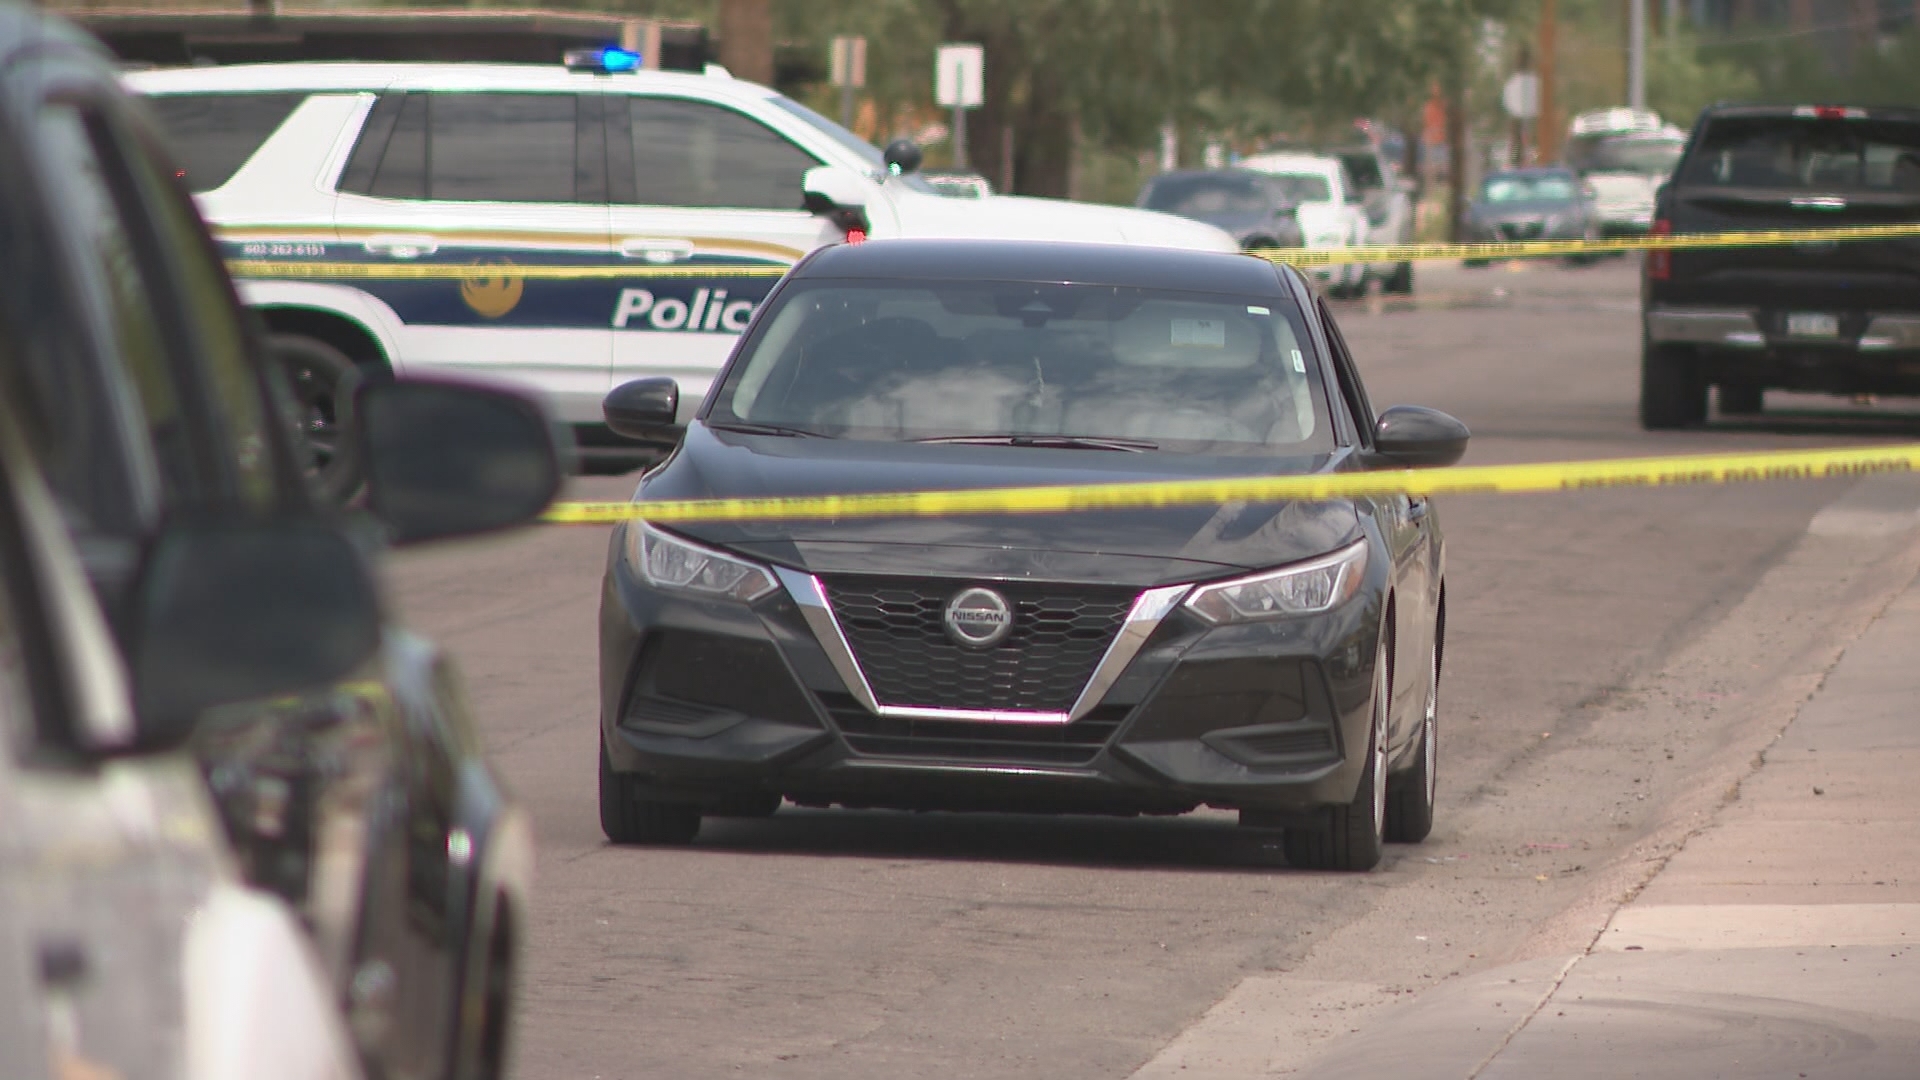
column 1782, row 941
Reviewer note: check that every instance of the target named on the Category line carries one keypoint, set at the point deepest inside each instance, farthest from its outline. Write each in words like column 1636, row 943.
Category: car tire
column 323, row 380
column 1410, row 794
column 1401, row 280
column 626, row 818
column 1354, row 837
column 1672, row 393
column 1742, row 399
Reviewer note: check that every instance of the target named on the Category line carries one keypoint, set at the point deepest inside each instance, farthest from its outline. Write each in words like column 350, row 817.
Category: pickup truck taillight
column 1660, row 263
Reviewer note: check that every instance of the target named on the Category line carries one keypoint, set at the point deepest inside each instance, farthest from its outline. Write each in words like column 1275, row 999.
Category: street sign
column 959, row 80
column 1521, row 95
column 850, row 61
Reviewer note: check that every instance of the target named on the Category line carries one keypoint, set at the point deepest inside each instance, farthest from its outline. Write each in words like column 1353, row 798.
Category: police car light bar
column 608, row 61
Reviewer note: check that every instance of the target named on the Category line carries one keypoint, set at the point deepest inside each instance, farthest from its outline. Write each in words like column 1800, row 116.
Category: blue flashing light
column 607, row 61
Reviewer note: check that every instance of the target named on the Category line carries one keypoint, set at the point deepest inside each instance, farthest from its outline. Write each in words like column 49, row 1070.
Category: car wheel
column 1354, row 836
column 1742, row 399
column 1672, row 393
column 1410, row 794
column 626, row 818
column 323, row 380
column 1401, row 281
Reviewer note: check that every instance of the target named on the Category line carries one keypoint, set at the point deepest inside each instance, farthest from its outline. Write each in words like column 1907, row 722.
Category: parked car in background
column 1834, row 318
column 1253, row 206
column 337, row 748
column 1329, row 210
column 1624, row 155
column 1386, row 197
column 1531, row 204
column 590, row 163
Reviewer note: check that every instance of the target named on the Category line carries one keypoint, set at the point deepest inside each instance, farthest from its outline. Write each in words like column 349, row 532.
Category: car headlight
column 668, row 562
column 1306, row 588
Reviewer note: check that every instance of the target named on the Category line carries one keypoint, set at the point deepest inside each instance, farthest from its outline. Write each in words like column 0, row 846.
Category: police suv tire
column 1410, row 794
column 1354, row 836
column 1742, row 399
column 626, row 818
column 323, row 380
column 1672, row 393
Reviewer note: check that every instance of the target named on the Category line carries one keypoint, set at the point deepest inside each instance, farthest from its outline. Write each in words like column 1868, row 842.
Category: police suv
column 686, row 179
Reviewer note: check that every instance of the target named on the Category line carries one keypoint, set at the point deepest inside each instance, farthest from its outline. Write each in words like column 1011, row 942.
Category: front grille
column 1521, row 230
column 896, row 631
column 947, row 740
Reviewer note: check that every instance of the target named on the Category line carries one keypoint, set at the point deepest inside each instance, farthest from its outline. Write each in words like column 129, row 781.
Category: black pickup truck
column 1826, row 317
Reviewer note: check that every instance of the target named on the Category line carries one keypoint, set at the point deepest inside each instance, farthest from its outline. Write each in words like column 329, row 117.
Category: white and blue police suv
column 687, row 179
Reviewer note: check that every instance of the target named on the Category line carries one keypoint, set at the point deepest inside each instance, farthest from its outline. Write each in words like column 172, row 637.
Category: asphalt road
column 879, row 945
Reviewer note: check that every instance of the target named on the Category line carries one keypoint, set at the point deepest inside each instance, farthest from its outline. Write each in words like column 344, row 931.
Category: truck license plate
column 1810, row 325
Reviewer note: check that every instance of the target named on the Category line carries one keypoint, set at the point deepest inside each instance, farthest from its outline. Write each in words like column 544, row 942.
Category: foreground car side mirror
column 449, row 459
column 644, row 409
column 231, row 612
column 1409, row 436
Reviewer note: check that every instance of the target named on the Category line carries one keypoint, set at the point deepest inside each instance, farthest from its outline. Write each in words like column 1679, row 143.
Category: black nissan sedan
column 1279, row 659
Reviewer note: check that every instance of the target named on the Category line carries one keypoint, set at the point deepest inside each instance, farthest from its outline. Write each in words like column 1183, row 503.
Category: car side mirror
column 837, row 195
column 644, row 409
column 448, row 459
column 903, row 156
column 230, row 612
column 1409, row 436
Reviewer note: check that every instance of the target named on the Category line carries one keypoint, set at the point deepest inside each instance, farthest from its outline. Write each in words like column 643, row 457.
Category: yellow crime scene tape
column 1519, row 249
column 1648, row 472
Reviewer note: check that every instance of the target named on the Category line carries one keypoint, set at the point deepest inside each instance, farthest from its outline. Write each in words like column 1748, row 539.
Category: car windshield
column 903, row 362
column 869, row 154
column 1513, row 189
column 1196, row 196
column 1790, row 154
column 1655, row 157
column 1305, row 187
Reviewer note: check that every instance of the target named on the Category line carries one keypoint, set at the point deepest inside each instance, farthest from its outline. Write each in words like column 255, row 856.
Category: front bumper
column 1871, row 352
column 705, row 701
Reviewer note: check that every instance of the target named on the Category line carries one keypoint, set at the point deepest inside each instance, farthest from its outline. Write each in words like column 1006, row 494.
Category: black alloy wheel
column 1742, row 399
column 1410, row 794
column 1354, row 837
column 1672, row 392
column 626, row 818
column 323, row 380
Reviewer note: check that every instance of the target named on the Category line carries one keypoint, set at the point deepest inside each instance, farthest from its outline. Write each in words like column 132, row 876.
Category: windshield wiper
column 1047, row 442
column 767, row 429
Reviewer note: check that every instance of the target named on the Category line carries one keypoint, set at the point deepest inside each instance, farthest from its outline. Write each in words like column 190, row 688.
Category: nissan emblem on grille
column 979, row 617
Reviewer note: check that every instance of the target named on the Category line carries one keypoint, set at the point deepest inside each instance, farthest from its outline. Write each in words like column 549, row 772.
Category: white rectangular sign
column 959, row 79
column 849, row 61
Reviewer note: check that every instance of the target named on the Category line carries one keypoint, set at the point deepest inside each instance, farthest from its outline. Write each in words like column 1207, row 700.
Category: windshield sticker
column 1200, row 333
column 1299, row 362
column 1256, row 310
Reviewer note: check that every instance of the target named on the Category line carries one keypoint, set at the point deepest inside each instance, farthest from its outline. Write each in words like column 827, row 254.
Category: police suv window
column 688, row 153
column 481, row 148
column 212, row 135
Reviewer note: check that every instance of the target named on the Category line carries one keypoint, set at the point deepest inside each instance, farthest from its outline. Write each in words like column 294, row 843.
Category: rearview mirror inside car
column 232, row 612
column 448, row 459
column 644, row 409
column 1409, row 436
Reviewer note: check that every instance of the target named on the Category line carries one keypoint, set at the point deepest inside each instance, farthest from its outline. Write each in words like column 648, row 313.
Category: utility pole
column 1547, row 127
column 1637, row 53
column 746, row 39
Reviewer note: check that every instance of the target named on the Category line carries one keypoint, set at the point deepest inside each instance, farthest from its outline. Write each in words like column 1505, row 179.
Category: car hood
column 1242, row 222
column 1521, row 211
column 1016, row 217
column 1142, row 548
